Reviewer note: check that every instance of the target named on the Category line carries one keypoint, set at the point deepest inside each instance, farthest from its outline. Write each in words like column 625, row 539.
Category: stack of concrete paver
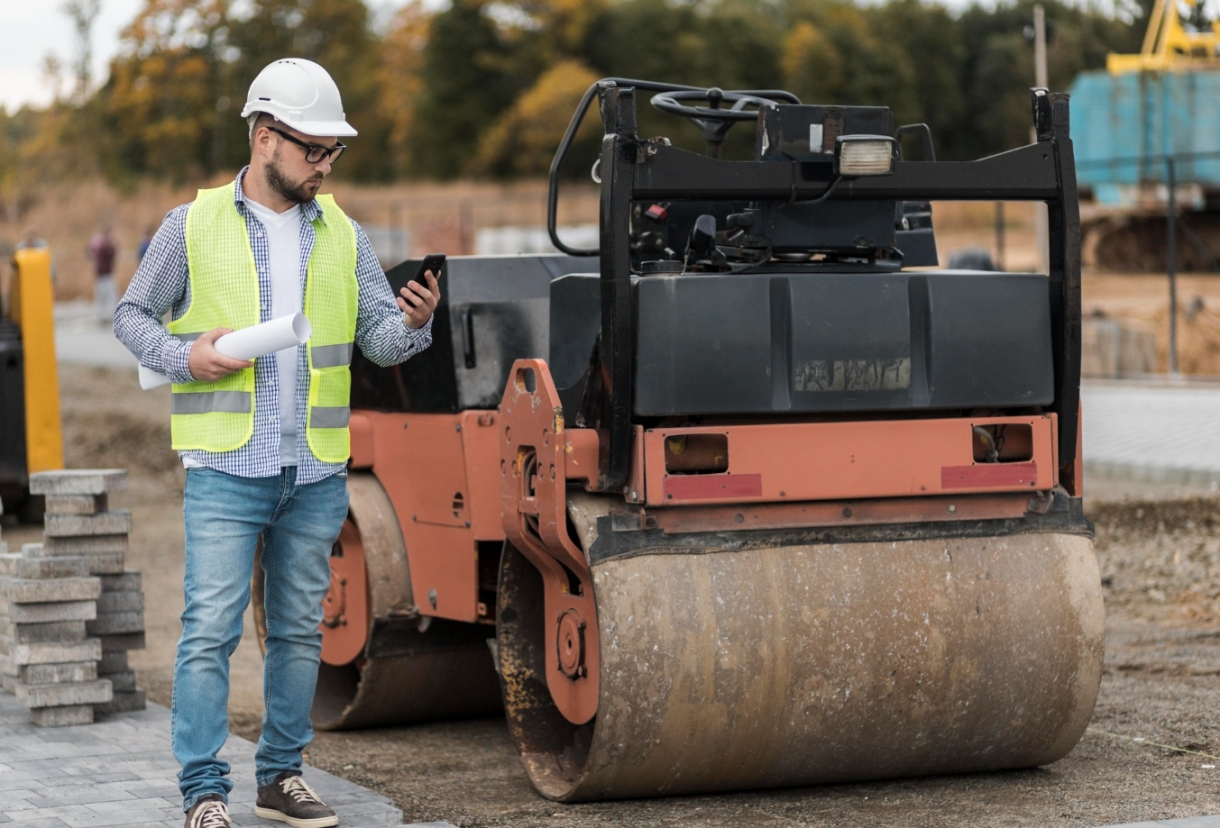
column 46, row 658
column 79, row 523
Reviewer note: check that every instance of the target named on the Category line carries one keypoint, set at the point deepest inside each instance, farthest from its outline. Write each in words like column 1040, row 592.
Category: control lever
column 702, row 244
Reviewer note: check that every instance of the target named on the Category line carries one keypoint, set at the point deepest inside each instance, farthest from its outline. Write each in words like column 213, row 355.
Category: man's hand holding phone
column 418, row 301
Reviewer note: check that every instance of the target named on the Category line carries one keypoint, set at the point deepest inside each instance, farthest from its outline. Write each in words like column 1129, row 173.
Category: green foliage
column 468, row 79
column 522, row 141
column 485, row 87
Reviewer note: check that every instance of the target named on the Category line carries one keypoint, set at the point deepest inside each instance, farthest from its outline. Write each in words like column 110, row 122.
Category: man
column 30, row 240
column 265, row 443
column 102, row 253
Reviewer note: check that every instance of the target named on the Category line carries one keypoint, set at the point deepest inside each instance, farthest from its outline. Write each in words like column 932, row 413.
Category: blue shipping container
column 1146, row 116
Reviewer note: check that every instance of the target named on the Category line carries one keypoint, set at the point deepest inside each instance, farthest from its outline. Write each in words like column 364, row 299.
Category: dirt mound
column 113, row 439
column 1145, row 518
column 1161, row 559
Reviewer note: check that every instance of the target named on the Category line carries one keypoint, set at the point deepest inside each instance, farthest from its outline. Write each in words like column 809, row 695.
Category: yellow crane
column 1180, row 37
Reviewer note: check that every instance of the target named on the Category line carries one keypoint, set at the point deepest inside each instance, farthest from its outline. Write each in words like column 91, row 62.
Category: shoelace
column 211, row 815
column 299, row 790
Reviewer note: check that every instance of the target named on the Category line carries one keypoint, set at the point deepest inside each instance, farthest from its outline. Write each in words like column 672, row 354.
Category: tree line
column 483, row 88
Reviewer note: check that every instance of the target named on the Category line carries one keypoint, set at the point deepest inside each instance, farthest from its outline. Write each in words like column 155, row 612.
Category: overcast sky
column 30, row 29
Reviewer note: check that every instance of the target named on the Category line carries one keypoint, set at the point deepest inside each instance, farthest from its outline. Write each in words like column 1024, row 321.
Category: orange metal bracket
column 534, row 458
column 434, row 468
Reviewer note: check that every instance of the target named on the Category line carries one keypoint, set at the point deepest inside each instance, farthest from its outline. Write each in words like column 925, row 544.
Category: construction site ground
column 1160, row 558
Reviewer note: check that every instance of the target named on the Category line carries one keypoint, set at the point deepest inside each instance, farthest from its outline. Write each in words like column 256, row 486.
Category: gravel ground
column 1159, row 554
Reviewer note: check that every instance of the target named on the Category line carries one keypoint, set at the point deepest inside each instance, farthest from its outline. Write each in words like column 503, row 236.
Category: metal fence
column 1172, row 225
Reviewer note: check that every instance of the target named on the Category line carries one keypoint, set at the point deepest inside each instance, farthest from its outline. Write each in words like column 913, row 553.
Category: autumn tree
column 401, row 84
column 467, row 82
column 485, row 87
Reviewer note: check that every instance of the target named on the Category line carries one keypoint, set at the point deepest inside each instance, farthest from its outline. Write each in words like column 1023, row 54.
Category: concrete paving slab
column 120, row 771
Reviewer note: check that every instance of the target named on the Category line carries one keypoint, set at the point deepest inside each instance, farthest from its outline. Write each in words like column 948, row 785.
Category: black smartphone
column 433, row 262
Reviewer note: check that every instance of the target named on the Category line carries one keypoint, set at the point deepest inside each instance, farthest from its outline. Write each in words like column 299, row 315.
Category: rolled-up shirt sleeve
column 381, row 329
column 160, row 283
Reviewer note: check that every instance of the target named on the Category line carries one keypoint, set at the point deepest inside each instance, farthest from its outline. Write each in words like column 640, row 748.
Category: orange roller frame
column 837, row 461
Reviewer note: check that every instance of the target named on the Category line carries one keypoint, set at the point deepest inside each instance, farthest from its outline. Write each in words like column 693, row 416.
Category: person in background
column 102, row 253
column 30, row 240
column 145, row 241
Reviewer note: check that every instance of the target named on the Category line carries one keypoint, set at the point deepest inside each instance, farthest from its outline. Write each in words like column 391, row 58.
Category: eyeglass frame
column 331, row 153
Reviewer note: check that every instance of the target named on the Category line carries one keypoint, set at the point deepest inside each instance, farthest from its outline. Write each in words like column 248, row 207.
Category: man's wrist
column 417, row 331
column 177, row 361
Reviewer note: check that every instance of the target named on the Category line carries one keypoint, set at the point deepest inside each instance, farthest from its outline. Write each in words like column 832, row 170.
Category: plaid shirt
column 162, row 283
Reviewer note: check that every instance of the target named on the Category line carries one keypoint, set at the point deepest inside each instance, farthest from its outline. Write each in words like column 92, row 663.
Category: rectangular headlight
column 864, row 155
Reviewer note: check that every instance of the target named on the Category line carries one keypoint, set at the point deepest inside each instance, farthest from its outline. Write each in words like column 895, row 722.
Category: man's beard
column 299, row 193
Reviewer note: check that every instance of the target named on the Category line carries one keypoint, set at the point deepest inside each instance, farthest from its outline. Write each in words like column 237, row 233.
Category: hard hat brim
column 339, row 129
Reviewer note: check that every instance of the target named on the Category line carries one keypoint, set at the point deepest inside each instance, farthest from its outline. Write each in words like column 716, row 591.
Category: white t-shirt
column 284, row 243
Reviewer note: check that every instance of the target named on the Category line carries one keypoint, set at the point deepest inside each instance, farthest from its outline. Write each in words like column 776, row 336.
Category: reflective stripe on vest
column 219, row 416
column 330, row 356
column 203, row 402
column 334, row 417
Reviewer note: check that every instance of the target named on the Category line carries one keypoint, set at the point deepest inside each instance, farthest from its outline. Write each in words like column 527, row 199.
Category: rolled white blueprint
column 249, row 343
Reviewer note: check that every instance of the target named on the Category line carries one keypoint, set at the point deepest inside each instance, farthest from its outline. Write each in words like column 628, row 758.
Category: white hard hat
column 300, row 93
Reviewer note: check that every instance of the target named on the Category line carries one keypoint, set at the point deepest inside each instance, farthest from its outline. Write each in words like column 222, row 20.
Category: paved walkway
column 1155, row 431
column 119, row 771
column 80, row 338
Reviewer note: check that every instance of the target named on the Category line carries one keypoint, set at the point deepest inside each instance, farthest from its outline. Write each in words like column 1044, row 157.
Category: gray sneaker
column 209, row 812
column 290, row 799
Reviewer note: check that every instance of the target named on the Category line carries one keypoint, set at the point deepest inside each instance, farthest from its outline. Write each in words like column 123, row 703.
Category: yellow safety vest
column 219, row 416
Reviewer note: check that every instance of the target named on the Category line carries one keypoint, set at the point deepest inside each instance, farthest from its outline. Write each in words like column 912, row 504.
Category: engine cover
column 820, row 342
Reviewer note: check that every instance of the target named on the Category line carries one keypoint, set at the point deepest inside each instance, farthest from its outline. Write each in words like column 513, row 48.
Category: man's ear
column 263, row 140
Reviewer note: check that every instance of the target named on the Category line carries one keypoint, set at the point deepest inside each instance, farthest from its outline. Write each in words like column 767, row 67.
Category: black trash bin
column 12, row 417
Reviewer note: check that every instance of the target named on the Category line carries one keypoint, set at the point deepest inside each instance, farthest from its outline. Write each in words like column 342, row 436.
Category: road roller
column 752, row 494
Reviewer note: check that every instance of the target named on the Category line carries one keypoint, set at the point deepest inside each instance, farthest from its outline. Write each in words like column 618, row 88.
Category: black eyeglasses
column 313, row 152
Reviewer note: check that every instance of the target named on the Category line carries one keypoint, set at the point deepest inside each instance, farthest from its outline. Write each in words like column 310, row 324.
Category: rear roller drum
column 780, row 663
column 381, row 663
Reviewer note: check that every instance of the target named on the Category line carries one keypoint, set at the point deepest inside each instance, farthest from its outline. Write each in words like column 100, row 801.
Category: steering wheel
column 712, row 120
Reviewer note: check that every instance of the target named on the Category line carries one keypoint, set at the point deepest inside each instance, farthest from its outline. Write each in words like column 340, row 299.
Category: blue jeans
column 225, row 517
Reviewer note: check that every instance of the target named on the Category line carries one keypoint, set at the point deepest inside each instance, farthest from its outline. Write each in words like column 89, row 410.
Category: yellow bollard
column 33, row 308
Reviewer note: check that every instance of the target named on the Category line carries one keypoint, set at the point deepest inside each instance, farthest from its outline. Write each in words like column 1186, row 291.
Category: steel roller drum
column 782, row 665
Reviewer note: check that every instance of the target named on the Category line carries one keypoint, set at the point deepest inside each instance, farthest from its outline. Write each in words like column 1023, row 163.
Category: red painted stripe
column 712, row 486
column 988, row 475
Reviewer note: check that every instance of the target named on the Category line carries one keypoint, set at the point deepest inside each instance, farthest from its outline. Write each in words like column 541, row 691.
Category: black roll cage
column 633, row 170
